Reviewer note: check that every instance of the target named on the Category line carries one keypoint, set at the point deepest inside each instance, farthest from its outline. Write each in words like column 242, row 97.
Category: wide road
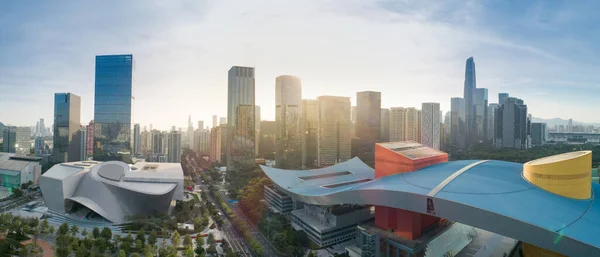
column 234, row 237
column 269, row 248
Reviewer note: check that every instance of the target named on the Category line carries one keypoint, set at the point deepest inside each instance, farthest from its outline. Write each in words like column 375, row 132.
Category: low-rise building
column 278, row 201
column 16, row 170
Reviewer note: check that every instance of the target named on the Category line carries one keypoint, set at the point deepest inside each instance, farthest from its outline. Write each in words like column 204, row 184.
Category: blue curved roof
column 491, row 195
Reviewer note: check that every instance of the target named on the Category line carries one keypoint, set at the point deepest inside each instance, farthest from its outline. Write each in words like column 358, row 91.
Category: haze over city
column 411, row 51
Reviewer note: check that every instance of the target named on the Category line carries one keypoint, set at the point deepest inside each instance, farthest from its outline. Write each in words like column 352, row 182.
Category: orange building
column 399, row 157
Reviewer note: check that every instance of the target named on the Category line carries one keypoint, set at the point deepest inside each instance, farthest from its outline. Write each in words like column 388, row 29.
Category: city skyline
column 538, row 70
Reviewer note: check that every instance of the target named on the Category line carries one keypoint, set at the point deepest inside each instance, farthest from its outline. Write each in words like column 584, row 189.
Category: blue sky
column 545, row 52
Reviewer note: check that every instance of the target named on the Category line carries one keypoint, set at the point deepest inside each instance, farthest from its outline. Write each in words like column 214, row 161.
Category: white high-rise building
column 430, row 125
column 190, row 133
column 412, row 128
column 202, row 143
column 398, row 124
column 214, row 125
column 288, row 142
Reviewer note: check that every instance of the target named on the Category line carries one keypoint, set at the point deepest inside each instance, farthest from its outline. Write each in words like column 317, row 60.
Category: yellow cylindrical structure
column 530, row 250
column 568, row 174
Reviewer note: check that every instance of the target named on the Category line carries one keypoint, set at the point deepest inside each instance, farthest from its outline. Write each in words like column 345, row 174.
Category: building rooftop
column 11, row 161
column 412, row 150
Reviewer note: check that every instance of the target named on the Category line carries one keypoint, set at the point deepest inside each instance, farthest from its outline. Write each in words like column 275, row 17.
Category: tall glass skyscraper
column 113, row 107
column 469, row 96
column 67, row 113
column 240, row 118
column 288, row 102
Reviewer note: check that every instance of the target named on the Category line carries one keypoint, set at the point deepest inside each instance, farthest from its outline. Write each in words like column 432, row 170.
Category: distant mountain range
column 559, row 121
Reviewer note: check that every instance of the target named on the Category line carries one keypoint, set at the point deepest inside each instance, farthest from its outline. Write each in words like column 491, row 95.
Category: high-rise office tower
column 511, row 124
column 502, row 97
column 222, row 120
column 67, row 114
column 113, row 107
column 267, row 136
column 353, row 115
column 385, row 125
column 469, row 96
column 202, row 138
column 136, row 139
column 23, row 140
column 447, row 124
column 334, row 132
column 256, row 128
column 146, row 142
column 538, row 133
column 457, row 122
column 398, row 124
column 9, row 136
column 218, row 136
column 240, row 118
column 480, row 106
column 174, row 142
column 412, row 131
column 367, row 126
column 288, row 140
column 430, row 125
column 214, row 120
column 491, row 111
column 190, row 133
column 39, row 146
column 80, row 139
column 201, row 124
column 159, row 140
column 570, row 126
column 90, row 139
column 42, row 128
column 309, row 123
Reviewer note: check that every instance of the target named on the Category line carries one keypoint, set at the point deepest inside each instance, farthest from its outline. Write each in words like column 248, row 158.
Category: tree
column 148, row 254
column 189, row 252
column 199, row 242
column 50, row 230
column 63, row 229
column 96, row 232
column 84, row 233
column 122, row 254
column 81, row 252
column 152, row 239
column 187, row 241
column 63, row 246
column 106, row 233
column 135, row 255
column 312, row 254
column 211, row 249
column 17, row 192
column 74, row 230
column 211, row 239
column 141, row 235
column 176, row 239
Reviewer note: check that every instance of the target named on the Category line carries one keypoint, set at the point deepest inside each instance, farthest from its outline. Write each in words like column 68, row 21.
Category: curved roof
column 490, row 195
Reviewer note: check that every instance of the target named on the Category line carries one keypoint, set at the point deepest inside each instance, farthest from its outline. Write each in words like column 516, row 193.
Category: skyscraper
column 457, row 122
column 385, row 125
column 23, row 140
column 502, row 97
column 174, row 143
column 222, row 120
column 367, row 125
column 334, row 131
column 201, row 124
column 146, row 142
column 430, row 125
column 491, row 111
column 136, row 139
column 214, row 118
column 511, row 124
column 42, row 128
column 67, row 114
column 80, row 139
column 240, row 118
column 190, row 133
column 469, row 96
column 309, row 124
column 9, row 136
column 398, row 126
column 159, row 142
column 202, row 141
column 90, row 139
column 480, row 106
column 288, row 141
column 267, row 136
column 113, row 107
column 412, row 131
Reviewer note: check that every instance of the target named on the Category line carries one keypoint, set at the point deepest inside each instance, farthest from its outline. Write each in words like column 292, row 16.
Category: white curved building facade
column 113, row 190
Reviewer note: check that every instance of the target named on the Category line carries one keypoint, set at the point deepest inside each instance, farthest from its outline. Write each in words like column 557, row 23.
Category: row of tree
column 283, row 236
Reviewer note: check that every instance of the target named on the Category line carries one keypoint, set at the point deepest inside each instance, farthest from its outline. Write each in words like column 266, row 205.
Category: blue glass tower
column 113, row 107
column 469, row 97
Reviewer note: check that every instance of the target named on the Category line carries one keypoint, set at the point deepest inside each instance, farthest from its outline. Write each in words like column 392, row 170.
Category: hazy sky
column 545, row 52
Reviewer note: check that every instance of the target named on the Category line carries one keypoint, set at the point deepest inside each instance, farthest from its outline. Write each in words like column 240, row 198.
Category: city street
column 233, row 236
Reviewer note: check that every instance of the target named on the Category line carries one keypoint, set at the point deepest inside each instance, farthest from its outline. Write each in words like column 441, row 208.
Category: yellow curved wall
column 568, row 174
column 530, row 250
